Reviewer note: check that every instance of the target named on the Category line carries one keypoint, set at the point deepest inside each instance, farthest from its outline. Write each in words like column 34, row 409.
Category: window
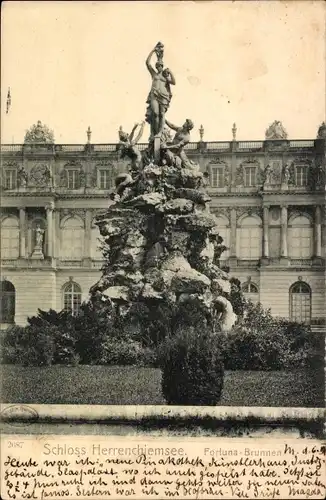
column 224, row 232
column 300, row 238
column 250, row 291
column 72, row 298
column 7, row 302
column 10, row 238
column 96, row 251
column 300, row 302
column 250, row 176
column 217, row 177
column 105, row 179
column 73, row 179
column 72, row 239
column 301, row 175
column 250, row 238
column 10, row 179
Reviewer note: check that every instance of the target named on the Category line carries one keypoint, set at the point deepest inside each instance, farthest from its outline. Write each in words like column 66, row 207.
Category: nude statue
column 127, row 145
column 174, row 153
column 160, row 95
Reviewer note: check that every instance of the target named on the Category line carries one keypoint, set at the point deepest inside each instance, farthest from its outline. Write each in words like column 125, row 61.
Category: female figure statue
column 160, row 95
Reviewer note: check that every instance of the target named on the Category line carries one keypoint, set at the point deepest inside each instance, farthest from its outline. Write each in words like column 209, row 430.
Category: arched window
column 300, row 237
column 224, row 232
column 250, row 238
column 7, row 302
column 72, row 297
column 250, row 291
column 72, row 239
column 96, row 252
column 300, row 302
column 10, row 238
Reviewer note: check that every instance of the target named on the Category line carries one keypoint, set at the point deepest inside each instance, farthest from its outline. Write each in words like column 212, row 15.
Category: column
column 266, row 231
column 49, row 221
column 284, row 231
column 317, row 232
column 22, row 233
column 233, row 233
column 88, row 234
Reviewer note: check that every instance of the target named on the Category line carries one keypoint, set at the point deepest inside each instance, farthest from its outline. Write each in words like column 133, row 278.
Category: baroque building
column 268, row 196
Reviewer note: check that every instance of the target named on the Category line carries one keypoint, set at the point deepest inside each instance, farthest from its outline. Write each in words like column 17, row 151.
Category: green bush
column 192, row 368
column 121, row 352
column 261, row 342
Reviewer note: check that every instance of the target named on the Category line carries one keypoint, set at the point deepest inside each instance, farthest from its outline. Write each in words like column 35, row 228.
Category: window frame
column 250, row 169
column 8, row 297
column 293, row 316
column 71, row 295
column 13, row 178
column 220, row 171
column 304, row 177
column 108, row 176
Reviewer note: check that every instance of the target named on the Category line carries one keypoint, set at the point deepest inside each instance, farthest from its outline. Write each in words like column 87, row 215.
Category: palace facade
column 268, row 196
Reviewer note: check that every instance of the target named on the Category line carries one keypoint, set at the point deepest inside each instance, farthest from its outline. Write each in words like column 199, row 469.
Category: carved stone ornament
column 248, row 162
column 249, row 211
column 276, row 131
column 39, row 134
column 217, row 162
column 40, row 175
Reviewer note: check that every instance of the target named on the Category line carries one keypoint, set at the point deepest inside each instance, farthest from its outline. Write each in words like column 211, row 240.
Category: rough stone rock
column 117, row 293
column 221, row 285
column 194, row 195
column 135, row 239
column 189, row 281
column 207, row 253
column 133, row 255
column 124, row 278
column 178, row 240
column 191, row 178
column 175, row 262
column 177, row 206
column 147, row 201
column 148, row 292
column 198, row 222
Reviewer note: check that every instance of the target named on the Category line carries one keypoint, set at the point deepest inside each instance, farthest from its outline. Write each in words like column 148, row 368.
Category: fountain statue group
column 161, row 241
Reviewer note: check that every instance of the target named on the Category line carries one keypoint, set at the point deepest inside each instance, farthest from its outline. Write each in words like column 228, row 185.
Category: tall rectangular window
column 217, row 177
column 10, row 179
column 301, row 175
column 73, row 179
column 250, row 176
column 105, row 179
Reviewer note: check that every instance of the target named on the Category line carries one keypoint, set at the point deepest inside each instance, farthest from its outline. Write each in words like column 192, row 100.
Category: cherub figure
column 127, row 145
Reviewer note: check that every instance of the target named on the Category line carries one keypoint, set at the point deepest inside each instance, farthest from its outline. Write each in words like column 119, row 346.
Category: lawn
column 116, row 385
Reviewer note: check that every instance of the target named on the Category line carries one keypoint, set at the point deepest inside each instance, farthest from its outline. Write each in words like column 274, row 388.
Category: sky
column 79, row 64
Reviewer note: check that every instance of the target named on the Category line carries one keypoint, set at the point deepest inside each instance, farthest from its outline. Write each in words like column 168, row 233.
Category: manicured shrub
column 192, row 368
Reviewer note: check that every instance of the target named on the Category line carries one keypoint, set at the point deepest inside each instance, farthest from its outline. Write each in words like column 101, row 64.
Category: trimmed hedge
column 192, row 368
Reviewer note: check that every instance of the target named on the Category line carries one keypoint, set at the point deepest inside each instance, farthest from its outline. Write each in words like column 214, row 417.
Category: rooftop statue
column 276, row 131
column 39, row 133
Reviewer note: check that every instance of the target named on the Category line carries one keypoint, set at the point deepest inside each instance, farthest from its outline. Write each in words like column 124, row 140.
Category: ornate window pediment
column 219, row 173
column 10, row 175
column 249, row 173
column 73, row 176
column 104, row 175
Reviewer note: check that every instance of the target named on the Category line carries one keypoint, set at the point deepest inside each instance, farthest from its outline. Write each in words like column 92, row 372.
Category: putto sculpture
column 162, row 244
